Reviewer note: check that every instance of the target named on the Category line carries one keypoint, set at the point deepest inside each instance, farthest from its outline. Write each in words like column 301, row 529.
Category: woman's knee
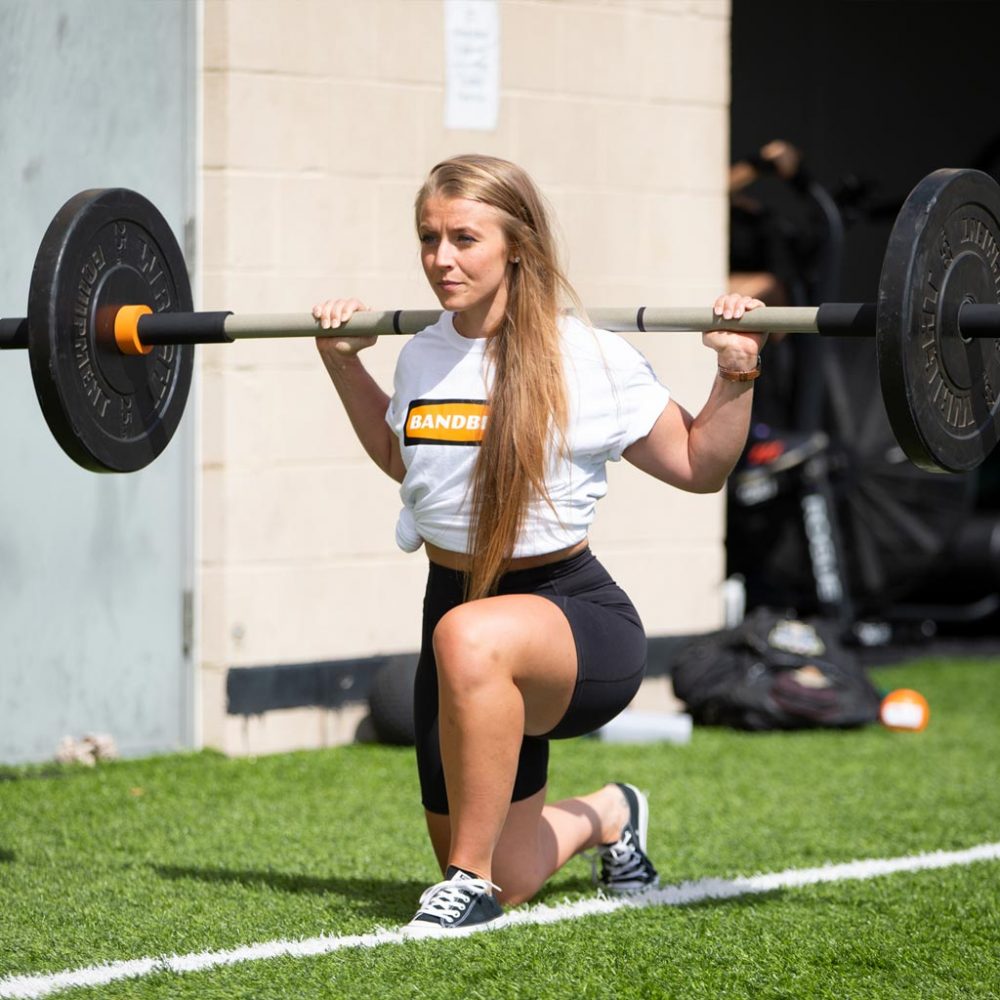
column 466, row 646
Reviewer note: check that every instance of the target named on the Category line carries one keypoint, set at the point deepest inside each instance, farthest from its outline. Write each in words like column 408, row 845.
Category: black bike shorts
column 610, row 654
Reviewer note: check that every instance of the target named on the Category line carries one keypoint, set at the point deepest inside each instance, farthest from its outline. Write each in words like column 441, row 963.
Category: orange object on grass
column 904, row 710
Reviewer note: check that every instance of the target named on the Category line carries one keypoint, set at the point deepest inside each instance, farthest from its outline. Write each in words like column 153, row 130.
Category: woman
column 503, row 416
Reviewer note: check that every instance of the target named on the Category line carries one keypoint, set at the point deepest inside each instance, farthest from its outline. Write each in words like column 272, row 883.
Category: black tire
column 391, row 701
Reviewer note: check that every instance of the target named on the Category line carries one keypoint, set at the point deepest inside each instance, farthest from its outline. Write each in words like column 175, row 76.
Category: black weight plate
column 940, row 390
column 104, row 249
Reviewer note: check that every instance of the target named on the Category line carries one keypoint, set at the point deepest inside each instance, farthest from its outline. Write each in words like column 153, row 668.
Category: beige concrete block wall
column 321, row 118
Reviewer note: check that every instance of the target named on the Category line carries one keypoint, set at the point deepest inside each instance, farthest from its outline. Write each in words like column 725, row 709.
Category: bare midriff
column 463, row 562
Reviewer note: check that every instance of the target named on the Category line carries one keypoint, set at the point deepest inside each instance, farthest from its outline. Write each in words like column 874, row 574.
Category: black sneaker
column 624, row 866
column 461, row 903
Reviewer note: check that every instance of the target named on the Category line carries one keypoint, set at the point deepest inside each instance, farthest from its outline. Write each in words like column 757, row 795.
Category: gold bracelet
column 734, row 375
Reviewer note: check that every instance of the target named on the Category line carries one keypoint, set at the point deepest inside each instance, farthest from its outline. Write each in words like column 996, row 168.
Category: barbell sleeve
column 13, row 334
column 979, row 320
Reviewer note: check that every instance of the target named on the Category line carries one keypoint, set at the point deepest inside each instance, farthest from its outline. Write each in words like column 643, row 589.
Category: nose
column 444, row 255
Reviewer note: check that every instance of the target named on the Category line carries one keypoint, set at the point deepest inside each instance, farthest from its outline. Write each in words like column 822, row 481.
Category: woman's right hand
column 331, row 314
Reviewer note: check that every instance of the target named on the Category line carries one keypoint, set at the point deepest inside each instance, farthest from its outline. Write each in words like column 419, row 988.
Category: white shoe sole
column 425, row 929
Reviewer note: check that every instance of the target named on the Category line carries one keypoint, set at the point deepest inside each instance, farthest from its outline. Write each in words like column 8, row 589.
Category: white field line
column 45, row 984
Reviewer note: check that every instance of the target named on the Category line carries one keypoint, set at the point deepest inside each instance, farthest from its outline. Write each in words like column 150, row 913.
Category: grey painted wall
column 93, row 569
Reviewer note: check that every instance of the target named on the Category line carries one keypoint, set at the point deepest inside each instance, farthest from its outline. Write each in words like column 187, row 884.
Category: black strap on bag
column 774, row 672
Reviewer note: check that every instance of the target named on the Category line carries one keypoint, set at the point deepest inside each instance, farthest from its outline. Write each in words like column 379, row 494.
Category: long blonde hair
column 528, row 407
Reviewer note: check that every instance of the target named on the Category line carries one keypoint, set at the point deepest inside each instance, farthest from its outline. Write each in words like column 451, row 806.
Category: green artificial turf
column 198, row 852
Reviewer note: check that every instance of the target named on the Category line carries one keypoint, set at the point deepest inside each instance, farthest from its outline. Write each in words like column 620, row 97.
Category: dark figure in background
column 777, row 235
column 761, row 262
column 780, row 253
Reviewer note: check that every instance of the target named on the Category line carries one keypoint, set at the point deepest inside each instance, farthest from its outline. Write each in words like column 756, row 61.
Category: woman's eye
column 426, row 238
column 466, row 238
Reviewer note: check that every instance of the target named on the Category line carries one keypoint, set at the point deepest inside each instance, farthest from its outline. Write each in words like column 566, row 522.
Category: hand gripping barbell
column 110, row 327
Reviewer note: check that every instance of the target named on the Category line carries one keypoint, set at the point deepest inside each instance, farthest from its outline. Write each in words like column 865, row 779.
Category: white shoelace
column 448, row 900
column 621, row 859
column 619, row 854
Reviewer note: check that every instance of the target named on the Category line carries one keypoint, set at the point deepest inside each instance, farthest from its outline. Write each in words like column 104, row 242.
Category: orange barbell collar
column 127, row 329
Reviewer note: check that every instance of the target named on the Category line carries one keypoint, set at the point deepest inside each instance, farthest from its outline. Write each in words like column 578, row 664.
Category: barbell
column 111, row 329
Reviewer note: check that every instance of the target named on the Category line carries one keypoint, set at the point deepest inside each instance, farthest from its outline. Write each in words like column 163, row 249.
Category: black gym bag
column 774, row 672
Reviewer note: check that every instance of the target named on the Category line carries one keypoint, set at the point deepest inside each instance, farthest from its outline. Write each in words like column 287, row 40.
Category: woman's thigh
column 521, row 636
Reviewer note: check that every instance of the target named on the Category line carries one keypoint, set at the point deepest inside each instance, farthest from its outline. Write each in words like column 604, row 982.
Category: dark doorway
column 875, row 95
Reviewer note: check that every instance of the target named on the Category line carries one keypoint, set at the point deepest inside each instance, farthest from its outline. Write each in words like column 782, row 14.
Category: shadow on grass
column 6, row 857
column 37, row 772
column 554, row 892
column 384, row 898
column 396, row 901
column 743, row 900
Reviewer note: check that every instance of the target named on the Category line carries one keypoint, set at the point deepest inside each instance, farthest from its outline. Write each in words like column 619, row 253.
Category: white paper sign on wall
column 472, row 64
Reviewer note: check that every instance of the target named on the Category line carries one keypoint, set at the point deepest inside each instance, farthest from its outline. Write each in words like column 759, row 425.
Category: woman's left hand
column 737, row 349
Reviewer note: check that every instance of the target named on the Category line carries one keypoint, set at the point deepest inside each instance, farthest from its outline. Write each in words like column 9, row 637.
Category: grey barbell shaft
column 621, row 320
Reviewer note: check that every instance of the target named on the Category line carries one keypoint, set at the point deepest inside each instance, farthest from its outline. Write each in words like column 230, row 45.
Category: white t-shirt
column 439, row 410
